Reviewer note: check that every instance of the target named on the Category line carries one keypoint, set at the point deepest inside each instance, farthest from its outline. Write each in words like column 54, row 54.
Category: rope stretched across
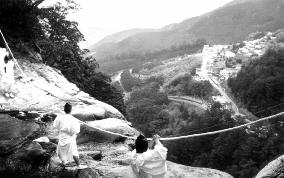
column 192, row 135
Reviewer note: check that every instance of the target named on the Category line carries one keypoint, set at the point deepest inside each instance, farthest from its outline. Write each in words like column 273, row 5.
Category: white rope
column 109, row 132
column 192, row 135
column 7, row 46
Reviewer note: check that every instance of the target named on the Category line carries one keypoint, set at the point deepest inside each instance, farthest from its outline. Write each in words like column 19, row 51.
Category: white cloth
column 3, row 53
column 8, row 72
column 42, row 139
column 151, row 163
column 68, row 128
column 7, row 76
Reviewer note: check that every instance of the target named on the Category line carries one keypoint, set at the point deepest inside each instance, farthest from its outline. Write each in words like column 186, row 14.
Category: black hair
column 68, row 108
column 141, row 144
column 6, row 59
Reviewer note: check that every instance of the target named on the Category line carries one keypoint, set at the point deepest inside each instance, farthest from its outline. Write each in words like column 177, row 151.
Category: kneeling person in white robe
column 68, row 128
column 148, row 163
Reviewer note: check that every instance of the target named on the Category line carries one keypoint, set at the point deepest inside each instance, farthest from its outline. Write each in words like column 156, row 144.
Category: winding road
column 207, row 60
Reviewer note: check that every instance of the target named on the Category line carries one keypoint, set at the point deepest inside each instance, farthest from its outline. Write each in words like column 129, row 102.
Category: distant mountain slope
column 234, row 22
column 119, row 36
column 230, row 23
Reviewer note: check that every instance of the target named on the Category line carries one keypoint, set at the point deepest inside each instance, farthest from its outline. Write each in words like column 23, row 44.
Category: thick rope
column 7, row 46
column 192, row 135
column 108, row 132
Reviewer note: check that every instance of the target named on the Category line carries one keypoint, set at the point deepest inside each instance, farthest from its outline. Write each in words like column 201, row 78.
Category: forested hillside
column 32, row 29
column 260, row 84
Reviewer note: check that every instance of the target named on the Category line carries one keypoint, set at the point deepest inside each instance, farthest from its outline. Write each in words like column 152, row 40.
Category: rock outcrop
column 274, row 169
column 46, row 90
column 14, row 133
column 174, row 170
column 110, row 168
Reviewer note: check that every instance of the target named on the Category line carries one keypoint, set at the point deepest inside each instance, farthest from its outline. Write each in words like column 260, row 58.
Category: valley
column 190, row 94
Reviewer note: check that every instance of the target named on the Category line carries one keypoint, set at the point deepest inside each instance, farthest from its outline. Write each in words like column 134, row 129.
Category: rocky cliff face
column 30, row 115
column 45, row 89
column 273, row 169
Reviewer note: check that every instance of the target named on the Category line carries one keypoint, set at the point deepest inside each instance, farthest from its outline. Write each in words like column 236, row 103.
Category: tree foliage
column 260, row 84
column 185, row 85
column 56, row 38
column 242, row 152
column 145, row 109
column 19, row 19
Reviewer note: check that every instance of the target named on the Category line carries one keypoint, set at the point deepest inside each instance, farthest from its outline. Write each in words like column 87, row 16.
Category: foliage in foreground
column 47, row 31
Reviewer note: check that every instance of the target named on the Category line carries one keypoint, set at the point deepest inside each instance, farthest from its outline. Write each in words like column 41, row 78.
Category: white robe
column 152, row 163
column 6, row 71
column 7, row 76
column 68, row 128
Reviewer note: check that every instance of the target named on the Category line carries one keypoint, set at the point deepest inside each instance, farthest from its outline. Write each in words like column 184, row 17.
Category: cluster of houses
column 225, row 63
column 222, row 63
column 255, row 47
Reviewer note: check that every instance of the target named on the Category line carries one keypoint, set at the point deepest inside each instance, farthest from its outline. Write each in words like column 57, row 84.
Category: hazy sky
column 99, row 18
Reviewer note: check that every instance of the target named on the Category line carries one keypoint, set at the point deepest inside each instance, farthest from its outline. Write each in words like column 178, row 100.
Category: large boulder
column 30, row 159
column 174, row 170
column 93, row 131
column 34, row 155
column 178, row 170
column 45, row 89
column 274, row 169
column 14, row 133
column 88, row 113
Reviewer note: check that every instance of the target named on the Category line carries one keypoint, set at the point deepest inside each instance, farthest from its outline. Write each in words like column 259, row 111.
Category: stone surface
column 92, row 131
column 45, row 89
column 88, row 113
column 109, row 167
column 34, row 155
column 274, row 169
column 174, row 170
column 14, row 132
column 177, row 170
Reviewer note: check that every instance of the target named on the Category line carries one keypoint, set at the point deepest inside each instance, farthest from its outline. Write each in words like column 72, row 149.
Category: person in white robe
column 7, row 73
column 68, row 128
column 148, row 163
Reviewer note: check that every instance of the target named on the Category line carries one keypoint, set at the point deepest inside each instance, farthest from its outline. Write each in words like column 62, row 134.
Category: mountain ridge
column 229, row 23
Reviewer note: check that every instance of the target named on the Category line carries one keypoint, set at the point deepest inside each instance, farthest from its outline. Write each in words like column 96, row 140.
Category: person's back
column 68, row 128
column 150, row 163
column 155, row 161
